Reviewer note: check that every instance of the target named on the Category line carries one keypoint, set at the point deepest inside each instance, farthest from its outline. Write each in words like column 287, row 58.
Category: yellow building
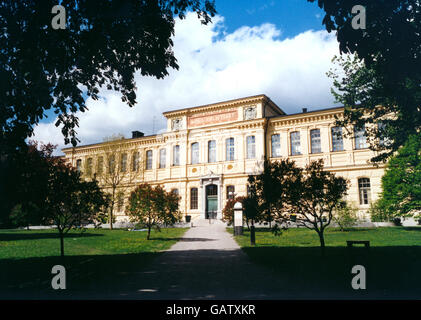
column 207, row 152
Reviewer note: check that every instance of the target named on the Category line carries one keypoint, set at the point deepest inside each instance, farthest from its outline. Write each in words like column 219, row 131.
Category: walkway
column 206, row 263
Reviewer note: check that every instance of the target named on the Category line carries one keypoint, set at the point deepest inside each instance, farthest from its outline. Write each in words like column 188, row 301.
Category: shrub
column 378, row 213
column 346, row 216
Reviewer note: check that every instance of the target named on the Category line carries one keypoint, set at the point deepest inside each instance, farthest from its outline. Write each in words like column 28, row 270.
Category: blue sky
column 291, row 16
column 277, row 48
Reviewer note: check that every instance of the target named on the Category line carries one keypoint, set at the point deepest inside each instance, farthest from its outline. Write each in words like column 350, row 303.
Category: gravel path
column 206, row 263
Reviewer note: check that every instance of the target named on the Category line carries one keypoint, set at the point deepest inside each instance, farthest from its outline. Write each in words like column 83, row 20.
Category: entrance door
column 211, row 201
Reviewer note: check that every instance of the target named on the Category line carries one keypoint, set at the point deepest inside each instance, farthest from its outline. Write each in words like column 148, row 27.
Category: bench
column 349, row 243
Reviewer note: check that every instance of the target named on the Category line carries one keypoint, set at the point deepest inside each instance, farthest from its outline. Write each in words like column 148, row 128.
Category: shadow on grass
column 31, row 278
column 390, row 271
column 34, row 236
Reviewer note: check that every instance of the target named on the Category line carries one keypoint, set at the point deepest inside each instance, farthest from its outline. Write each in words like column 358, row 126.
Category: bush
column 378, row 213
column 345, row 216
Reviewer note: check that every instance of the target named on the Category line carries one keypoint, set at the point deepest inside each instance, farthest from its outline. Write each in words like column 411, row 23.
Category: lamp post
column 238, row 219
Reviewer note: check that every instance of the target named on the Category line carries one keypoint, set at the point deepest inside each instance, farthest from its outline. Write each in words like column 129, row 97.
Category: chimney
column 304, row 110
column 137, row 134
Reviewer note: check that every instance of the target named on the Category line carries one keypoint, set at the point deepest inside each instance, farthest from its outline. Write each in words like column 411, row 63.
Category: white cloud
column 216, row 66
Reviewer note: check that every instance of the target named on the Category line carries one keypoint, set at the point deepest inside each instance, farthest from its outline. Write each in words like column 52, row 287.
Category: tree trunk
column 111, row 210
column 252, row 234
column 149, row 233
column 61, row 243
column 322, row 242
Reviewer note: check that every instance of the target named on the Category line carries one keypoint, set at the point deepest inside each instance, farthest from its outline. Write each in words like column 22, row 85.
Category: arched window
column 212, row 151
column 364, row 190
column 195, row 152
column 149, row 160
column 79, row 165
column 193, row 198
column 135, row 161
column 360, row 138
column 230, row 192
column 337, row 139
column 295, row 143
column 276, row 145
column 176, row 155
column 230, row 149
column 123, row 162
column 89, row 166
column 316, row 146
column 162, row 158
column 251, row 147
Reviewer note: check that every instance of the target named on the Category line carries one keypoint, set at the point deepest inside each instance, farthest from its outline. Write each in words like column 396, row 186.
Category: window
column 149, row 160
column 195, row 152
column 162, row 158
column 79, row 165
column 276, row 145
column 360, row 139
column 337, row 139
column 193, row 198
column 364, row 190
column 316, row 146
column 295, row 143
column 123, row 164
column 135, row 161
column 89, row 166
column 100, row 165
column 251, row 147
column 111, row 164
column 212, row 151
column 176, row 155
column 230, row 192
column 229, row 149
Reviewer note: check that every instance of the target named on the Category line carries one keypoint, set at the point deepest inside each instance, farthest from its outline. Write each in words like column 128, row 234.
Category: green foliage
column 401, row 183
column 389, row 72
column 346, row 216
column 270, row 190
column 103, row 45
column 378, row 213
column 153, row 206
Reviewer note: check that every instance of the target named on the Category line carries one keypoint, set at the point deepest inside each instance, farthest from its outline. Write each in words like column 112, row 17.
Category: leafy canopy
column 103, row 44
column 388, row 70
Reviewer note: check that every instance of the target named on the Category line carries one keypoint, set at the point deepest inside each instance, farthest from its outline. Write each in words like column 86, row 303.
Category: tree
column 314, row 195
column 368, row 103
column 103, row 44
column 70, row 201
column 388, row 73
column 272, row 188
column 152, row 207
column 401, row 183
column 117, row 170
column 24, row 183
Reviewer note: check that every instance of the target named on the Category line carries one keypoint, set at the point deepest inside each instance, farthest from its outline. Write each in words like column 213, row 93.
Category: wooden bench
column 349, row 243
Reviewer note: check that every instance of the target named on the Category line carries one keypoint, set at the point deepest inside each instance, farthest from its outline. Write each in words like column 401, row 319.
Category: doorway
column 211, row 201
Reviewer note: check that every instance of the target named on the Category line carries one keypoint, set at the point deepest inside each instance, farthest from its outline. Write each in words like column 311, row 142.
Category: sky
column 278, row 48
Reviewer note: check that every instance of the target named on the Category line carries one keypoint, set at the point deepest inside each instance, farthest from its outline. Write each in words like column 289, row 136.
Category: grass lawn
column 393, row 262
column 94, row 259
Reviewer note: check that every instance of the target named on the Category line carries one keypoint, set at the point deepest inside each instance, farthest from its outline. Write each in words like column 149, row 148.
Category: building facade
column 207, row 153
